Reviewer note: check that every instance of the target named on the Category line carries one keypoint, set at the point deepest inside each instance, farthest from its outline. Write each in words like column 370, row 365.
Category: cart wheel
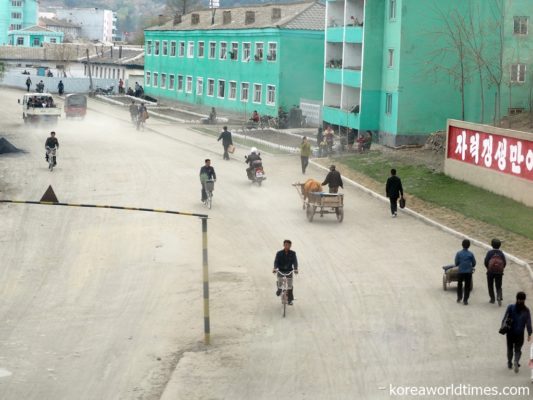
column 340, row 214
column 310, row 213
column 444, row 282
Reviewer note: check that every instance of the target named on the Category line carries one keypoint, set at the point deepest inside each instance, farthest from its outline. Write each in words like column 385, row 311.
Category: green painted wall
column 299, row 79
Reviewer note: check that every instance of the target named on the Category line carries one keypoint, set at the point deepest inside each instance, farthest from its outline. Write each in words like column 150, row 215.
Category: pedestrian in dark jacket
column 394, row 191
column 285, row 262
column 333, row 180
column 495, row 263
column 60, row 88
column 28, row 83
column 466, row 262
column 520, row 319
column 226, row 141
column 319, row 140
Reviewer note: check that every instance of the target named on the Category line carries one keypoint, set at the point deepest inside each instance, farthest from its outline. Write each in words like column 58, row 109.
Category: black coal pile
column 6, row 147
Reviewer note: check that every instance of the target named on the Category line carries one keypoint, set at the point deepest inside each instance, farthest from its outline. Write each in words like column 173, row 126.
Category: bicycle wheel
column 284, row 302
column 209, row 201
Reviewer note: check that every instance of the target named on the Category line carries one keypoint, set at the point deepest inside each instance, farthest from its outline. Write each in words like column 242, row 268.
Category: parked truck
column 39, row 107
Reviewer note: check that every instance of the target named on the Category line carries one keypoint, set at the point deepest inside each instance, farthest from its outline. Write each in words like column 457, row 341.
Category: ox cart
column 321, row 202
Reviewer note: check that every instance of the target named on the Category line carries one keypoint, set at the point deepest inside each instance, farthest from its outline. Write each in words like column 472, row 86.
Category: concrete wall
column 507, row 185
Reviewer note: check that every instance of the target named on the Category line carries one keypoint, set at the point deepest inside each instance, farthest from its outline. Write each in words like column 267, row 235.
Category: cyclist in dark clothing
column 51, row 143
column 285, row 262
column 206, row 172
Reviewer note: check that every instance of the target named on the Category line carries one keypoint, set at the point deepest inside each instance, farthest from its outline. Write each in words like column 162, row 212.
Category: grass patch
column 453, row 194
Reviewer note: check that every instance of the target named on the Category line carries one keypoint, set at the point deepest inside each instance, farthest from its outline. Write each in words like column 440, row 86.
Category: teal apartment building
column 399, row 68
column 239, row 59
column 16, row 15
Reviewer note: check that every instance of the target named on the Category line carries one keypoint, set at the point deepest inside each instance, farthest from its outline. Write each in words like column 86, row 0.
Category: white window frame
column 244, row 45
column 213, row 46
column 20, row 41
column 260, row 93
column 223, row 81
column 518, row 70
column 523, row 22
column 390, row 58
column 232, row 84
column 199, row 86
column 188, row 84
column 173, row 48
column 209, row 82
column 268, row 102
column 179, row 84
column 201, row 45
column 393, row 5
column 269, row 54
column 163, row 80
column 156, row 48
column 148, row 47
column 236, row 49
column 181, row 48
column 256, row 48
column 223, row 51
column 388, row 103
column 190, row 49
column 171, row 82
column 164, row 48
column 247, row 92
column 156, row 79
column 36, row 41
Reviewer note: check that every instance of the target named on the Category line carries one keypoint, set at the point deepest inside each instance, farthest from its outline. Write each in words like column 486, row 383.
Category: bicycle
column 209, row 186
column 51, row 157
column 285, row 286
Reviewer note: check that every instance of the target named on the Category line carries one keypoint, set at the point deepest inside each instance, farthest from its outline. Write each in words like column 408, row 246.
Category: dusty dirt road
column 106, row 304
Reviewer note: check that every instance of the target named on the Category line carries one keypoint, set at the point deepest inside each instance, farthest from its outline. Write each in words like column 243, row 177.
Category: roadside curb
column 429, row 221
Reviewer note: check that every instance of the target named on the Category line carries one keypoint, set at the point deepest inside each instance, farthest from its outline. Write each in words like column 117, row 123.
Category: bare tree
column 182, row 6
column 66, row 53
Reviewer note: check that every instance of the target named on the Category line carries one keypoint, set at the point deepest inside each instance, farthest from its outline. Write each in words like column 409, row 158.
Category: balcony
column 334, row 34
column 334, row 75
column 337, row 116
column 354, row 34
column 352, row 78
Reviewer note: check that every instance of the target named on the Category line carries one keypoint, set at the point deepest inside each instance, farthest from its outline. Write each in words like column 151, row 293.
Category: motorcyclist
column 250, row 158
column 50, row 144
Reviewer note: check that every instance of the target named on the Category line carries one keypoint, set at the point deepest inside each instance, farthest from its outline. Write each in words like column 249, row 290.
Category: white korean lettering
column 474, row 147
column 501, row 154
column 461, row 145
column 516, row 157
column 487, row 151
column 529, row 160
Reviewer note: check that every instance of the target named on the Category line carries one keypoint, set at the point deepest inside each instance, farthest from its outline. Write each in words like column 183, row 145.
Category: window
column 20, row 41
column 234, row 55
column 212, row 49
column 164, row 81
column 156, row 80
column 16, row 15
column 173, row 49
column 210, row 87
column 156, row 48
column 165, row 48
column 223, row 50
column 16, row 3
column 518, row 73
column 190, row 50
column 180, row 83
column 181, row 50
column 171, row 82
column 272, row 52
column 36, row 42
column 258, row 51
column 221, row 88
column 188, row 85
column 520, row 25
column 246, row 51
column 53, row 40
column 391, row 58
column 232, row 95
column 257, row 93
column 149, row 47
column 244, row 91
column 15, row 27
column 388, row 103
column 271, row 95
column 200, row 49
column 392, row 9
column 199, row 86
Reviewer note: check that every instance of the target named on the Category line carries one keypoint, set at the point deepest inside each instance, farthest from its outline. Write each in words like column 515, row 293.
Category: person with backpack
column 495, row 263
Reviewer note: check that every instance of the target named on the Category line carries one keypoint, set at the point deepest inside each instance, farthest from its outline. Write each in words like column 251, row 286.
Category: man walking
column 333, row 180
column 28, row 83
column 495, row 263
column 466, row 262
column 305, row 152
column 520, row 319
column 394, row 190
column 285, row 262
column 226, row 141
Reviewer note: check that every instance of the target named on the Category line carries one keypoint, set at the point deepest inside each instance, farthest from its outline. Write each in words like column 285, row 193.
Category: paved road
column 104, row 304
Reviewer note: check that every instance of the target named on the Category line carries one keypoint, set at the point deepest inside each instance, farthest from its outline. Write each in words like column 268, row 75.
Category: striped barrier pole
column 203, row 217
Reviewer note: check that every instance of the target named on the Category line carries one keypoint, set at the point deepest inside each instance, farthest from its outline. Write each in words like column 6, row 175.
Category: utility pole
column 89, row 68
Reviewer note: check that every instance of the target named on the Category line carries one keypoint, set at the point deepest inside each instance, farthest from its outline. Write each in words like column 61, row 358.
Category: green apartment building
column 401, row 68
column 239, row 59
column 17, row 15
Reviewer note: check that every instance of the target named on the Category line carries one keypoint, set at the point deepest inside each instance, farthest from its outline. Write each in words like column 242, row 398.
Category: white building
column 96, row 24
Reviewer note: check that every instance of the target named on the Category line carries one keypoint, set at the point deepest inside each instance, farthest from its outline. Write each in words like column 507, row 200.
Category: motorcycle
column 106, row 91
column 255, row 172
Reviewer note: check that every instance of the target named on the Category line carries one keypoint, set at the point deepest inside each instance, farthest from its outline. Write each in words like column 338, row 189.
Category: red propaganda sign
column 500, row 153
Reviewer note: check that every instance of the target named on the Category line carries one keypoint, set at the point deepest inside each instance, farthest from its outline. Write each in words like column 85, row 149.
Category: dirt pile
column 6, row 147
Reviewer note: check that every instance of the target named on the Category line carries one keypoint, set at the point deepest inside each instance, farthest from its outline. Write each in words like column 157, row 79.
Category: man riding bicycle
column 207, row 172
column 285, row 263
column 51, row 144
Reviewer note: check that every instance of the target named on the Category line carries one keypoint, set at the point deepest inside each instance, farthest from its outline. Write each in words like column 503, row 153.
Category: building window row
column 16, row 3
column 16, row 15
column 223, row 90
column 153, row 48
